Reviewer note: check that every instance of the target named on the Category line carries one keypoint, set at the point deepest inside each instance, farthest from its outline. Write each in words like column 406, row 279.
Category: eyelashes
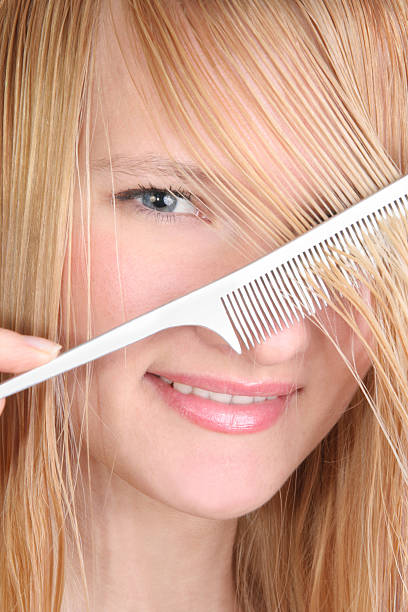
column 162, row 205
column 171, row 205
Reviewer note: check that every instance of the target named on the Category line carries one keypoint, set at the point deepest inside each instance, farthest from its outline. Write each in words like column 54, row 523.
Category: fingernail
column 43, row 345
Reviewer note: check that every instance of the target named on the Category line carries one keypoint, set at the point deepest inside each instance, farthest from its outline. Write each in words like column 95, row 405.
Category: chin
column 217, row 504
column 219, row 510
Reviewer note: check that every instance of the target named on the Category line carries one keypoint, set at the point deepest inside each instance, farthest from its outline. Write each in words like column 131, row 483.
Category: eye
column 164, row 203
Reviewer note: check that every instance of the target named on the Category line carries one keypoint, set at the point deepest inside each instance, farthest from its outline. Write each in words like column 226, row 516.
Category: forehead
column 129, row 119
column 124, row 80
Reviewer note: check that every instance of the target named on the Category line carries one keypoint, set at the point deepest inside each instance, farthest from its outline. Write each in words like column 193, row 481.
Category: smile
column 224, row 412
column 223, row 398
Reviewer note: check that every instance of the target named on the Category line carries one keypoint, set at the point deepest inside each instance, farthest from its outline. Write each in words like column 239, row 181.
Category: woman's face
column 140, row 261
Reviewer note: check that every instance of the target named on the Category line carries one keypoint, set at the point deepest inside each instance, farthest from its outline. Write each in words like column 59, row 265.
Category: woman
column 148, row 148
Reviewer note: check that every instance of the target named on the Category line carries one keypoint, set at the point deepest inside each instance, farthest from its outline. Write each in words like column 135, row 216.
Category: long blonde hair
column 334, row 536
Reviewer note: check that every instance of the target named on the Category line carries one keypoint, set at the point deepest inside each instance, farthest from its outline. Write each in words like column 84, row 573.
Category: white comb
column 260, row 298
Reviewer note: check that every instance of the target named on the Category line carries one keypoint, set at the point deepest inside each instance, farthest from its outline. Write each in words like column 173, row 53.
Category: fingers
column 19, row 353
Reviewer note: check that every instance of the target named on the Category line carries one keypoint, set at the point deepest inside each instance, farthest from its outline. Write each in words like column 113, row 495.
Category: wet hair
column 327, row 81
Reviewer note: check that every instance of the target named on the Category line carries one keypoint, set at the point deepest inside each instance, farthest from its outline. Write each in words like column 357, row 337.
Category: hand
column 19, row 353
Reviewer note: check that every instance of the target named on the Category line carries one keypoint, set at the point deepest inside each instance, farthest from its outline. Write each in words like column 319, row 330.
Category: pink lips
column 233, row 387
column 226, row 418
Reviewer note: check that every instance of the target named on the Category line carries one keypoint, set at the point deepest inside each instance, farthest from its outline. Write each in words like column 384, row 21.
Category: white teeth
column 198, row 391
column 223, row 398
column 241, row 399
column 186, row 389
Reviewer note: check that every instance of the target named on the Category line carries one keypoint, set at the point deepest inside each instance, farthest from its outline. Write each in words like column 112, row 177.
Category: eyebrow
column 149, row 163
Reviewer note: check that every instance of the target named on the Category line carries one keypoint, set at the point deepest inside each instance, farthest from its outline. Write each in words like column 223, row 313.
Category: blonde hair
column 334, row 536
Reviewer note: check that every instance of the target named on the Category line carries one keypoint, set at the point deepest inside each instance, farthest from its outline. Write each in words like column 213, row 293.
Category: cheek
column 123, row 285
column 137, row 268
column 352, row 336
column 338, row 383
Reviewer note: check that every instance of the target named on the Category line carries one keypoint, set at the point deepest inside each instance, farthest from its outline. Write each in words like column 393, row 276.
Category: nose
column 285, row 345
column 288, row 342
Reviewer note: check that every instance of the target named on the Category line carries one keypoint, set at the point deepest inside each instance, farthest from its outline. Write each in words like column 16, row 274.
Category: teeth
column 242, row 399
column 224, row 398
column 186, row 389
column 196, row 391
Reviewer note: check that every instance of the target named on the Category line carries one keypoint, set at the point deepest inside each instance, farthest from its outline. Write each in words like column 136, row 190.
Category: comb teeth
column 280, row 296
column 270, row 302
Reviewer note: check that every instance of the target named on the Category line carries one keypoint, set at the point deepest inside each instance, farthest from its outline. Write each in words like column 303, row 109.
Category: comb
column 253, row 302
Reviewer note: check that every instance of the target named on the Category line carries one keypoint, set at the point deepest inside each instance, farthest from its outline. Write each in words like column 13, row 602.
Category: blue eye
column 164, row 204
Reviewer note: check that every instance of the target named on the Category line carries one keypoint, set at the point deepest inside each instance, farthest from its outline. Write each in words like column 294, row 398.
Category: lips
column 218, row 385
column 219, row 417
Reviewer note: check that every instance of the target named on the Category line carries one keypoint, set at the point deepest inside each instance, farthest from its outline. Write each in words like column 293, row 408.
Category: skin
column 166, row 494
